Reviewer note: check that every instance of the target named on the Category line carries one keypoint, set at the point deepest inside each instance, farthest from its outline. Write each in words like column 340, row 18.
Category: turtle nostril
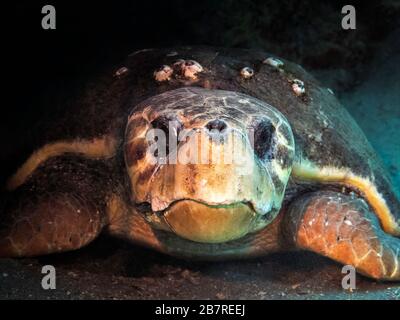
column 218, row 125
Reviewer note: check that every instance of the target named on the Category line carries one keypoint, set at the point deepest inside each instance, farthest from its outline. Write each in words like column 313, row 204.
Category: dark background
column 42, row 68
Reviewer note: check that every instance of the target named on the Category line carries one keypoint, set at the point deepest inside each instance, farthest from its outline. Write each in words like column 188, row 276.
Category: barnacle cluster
column 187, row 69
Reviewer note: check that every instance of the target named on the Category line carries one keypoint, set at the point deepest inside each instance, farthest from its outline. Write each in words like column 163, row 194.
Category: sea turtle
column 308, row 178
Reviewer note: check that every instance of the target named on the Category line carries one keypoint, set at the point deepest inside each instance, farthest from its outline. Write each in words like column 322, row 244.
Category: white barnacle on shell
column 246, row 72
column 188, row 68
column 164, row 73
column 298, row 87
column 274, row 62
column 121, row 72
column 348, row 222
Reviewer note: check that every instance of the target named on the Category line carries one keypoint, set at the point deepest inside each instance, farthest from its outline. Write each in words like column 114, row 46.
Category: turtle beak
column 205, row 223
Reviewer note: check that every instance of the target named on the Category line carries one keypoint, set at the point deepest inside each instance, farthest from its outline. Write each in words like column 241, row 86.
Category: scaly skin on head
column 205, row 195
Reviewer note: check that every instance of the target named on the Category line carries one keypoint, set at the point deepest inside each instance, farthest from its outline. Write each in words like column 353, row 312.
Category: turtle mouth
column 201, row 222
column 208, row 223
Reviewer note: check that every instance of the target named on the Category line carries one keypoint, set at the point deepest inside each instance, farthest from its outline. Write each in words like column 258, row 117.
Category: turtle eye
column 264, row 139
column 171, row 129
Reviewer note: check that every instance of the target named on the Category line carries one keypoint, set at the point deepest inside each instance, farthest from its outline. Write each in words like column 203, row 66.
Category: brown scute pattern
column 61, row 207
column 344, row 229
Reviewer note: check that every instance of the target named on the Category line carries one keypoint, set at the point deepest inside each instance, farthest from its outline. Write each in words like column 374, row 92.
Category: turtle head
column 208, row 165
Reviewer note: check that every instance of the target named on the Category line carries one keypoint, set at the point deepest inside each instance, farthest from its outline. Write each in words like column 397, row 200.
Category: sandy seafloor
column 111, row 269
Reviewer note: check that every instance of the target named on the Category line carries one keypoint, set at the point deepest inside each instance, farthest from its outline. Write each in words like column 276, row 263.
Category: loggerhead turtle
column 308, row 180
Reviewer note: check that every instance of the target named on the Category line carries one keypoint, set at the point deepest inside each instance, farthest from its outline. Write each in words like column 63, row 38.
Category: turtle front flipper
column 344, row 229
column 61, row 207
column 99, row 148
